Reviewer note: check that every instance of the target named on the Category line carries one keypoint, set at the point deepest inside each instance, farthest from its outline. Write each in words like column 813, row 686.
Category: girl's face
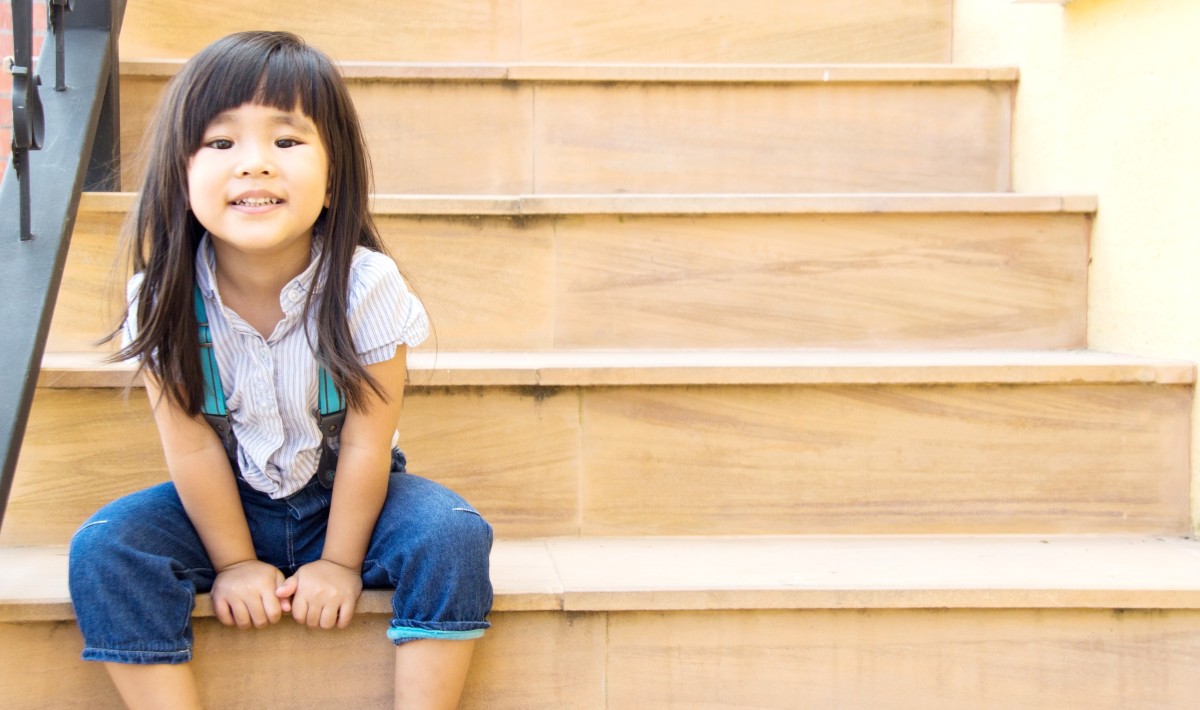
column 259, row 181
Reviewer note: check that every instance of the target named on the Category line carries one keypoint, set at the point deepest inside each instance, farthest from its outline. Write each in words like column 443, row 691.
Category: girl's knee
column 469, row 532
column 429, row 525
column 422, row 509
column 456, row 531
column 144, row 530
column 105, row 534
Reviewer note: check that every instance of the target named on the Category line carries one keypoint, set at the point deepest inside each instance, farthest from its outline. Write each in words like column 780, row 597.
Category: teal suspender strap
column 329, row 398
column 331, row 414
column 214, row 395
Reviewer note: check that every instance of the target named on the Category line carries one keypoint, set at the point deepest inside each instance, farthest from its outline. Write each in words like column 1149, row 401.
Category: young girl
column 253, row 216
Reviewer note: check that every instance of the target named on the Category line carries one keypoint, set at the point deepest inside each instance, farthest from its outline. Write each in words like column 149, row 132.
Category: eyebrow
column 291, row 120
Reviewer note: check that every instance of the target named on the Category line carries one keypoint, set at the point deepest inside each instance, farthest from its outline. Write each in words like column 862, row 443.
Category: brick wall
column 6, row 50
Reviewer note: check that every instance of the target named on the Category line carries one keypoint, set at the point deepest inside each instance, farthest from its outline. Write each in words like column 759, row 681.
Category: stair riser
column 496, row 137
column 937, row 659
column 901, row 281
column 548, row 30
column 887, row 459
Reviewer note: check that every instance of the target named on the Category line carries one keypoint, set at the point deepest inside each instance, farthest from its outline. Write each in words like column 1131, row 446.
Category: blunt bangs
column 274, row 69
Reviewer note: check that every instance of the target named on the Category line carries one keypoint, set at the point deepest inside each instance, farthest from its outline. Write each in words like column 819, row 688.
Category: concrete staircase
column 776, row 395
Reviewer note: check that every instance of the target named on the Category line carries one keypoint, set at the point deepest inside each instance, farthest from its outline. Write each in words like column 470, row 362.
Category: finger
column 286, row 587
column 345, row 614
column 258, row 614
column 300, row 610
column 272, row 608
column 241, row 615
column 329, row 616
column 314, row 616
column 221, row 609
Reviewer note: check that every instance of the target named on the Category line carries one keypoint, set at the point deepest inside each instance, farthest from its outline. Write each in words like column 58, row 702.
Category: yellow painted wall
column 1109, row 104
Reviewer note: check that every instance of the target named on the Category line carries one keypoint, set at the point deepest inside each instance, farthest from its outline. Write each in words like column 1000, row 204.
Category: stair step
column 585, row 128
column 1042, row 622
column 542, row 30
column 912, row 271
column 783, row 572
column 631, row 368
column 715, row 443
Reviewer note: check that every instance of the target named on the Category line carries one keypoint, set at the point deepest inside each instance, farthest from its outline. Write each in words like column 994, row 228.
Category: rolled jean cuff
column 403, row 631
column 114, row 655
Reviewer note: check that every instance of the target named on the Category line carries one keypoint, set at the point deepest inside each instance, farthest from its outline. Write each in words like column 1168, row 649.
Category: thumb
column 285, row 591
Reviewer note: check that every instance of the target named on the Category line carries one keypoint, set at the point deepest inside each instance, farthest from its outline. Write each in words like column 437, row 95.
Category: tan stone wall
column 1109, row 103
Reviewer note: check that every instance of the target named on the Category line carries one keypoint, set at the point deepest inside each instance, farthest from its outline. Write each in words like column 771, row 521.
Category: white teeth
column 257, row 201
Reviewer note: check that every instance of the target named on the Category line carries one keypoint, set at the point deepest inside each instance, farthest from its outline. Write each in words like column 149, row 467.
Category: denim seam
column 291, row 550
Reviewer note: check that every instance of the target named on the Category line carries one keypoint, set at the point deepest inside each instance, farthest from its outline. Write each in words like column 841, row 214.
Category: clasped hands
column 254, row 594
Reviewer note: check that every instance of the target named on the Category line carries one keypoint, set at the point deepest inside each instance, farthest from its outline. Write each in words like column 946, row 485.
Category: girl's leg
column 431, row 674
column 156, row 687
column 135, row 568
column 433, row 548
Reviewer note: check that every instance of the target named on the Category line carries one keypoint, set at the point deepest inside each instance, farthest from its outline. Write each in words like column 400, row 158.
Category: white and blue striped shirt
column 271, row 383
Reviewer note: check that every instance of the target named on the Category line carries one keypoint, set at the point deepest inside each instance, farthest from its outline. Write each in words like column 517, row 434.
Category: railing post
column 28, row 123
column 57, row 10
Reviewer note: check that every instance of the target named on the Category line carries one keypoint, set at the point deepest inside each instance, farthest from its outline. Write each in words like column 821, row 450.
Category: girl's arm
column 326, row 591
column 244, row 589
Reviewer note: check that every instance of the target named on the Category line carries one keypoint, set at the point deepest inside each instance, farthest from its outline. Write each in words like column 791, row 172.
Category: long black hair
column 278, row 70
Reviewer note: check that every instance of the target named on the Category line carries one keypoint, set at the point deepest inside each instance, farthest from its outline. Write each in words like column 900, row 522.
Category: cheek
column 194, row 181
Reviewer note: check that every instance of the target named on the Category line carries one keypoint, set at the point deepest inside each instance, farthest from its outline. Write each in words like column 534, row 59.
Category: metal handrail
column 79, row 150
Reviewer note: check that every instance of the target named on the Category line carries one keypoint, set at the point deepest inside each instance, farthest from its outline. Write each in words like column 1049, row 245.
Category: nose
column 255, row 160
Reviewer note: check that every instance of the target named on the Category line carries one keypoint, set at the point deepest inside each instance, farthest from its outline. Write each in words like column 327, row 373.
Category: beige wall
column 1109, row 103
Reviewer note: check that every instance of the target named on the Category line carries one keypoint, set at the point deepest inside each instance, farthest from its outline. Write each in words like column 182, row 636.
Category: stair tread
column 668, row 204
column 799, row 572
column 723, row 367
column 500, row 30
column 635, row 72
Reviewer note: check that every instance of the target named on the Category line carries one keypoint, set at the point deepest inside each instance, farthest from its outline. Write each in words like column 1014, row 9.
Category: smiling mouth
column 258, row 201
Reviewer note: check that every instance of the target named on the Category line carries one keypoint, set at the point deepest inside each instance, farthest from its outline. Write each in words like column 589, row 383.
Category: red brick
column 5, row 83
column 39, row 18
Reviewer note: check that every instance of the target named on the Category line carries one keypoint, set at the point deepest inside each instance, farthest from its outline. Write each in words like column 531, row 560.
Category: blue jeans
column 138, row 563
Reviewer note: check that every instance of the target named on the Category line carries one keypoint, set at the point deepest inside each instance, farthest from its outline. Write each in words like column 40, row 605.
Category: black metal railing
column 64, row 141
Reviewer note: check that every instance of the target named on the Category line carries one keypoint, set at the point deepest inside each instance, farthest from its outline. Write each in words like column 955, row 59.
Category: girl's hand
column 243, row 594
column 321, row 594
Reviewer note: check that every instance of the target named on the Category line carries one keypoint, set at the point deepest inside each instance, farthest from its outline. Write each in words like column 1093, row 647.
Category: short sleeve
column 382, row 312
column 129, row 328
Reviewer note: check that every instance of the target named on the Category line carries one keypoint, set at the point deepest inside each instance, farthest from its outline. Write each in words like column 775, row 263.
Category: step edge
column 700, row 204
column 640, row 72
column 555, row 582
column 720, row 367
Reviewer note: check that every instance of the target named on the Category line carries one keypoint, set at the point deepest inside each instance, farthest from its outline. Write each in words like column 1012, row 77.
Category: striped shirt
column 271, row 383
